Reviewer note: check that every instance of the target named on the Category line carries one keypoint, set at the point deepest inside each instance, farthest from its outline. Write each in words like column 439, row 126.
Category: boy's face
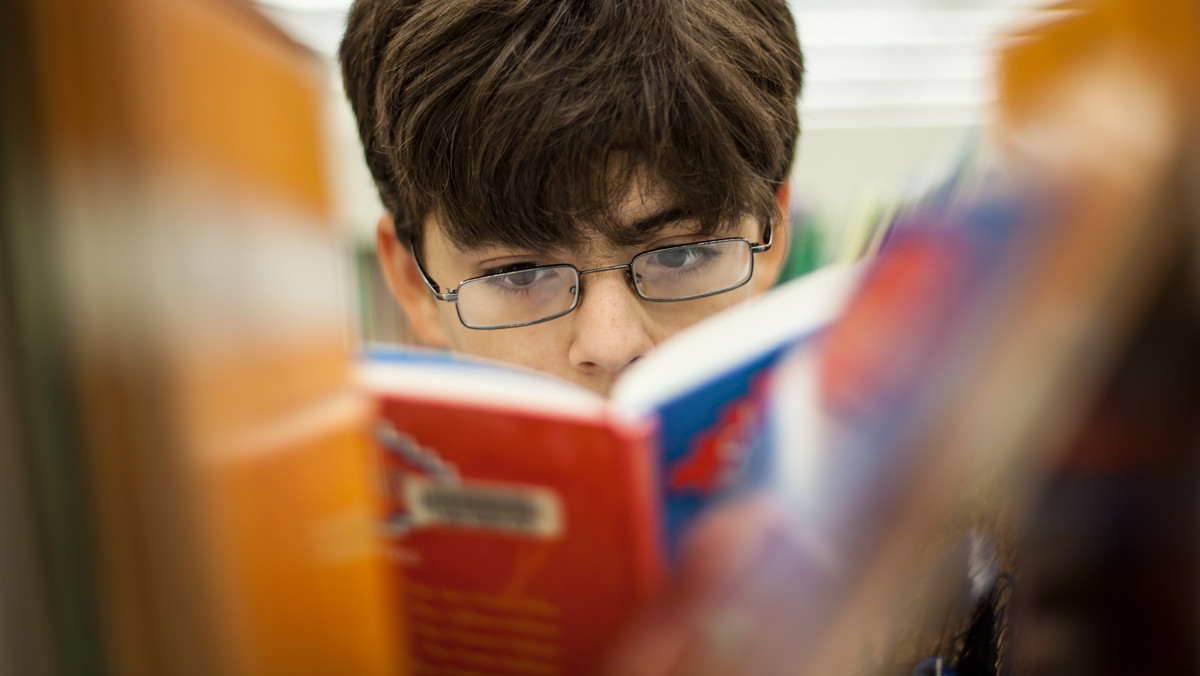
column 611, row 326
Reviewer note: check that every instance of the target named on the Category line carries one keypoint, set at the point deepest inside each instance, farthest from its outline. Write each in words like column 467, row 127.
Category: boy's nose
column 610, row 324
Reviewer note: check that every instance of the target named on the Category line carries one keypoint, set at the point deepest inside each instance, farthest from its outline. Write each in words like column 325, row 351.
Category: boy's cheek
column 536, row 347
column 448, row 318
column 671, row 318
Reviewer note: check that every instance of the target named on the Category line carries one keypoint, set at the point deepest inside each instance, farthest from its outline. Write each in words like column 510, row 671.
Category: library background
column 189, row 483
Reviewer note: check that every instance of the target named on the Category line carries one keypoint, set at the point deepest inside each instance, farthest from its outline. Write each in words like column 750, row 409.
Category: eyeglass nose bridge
column 628, row 267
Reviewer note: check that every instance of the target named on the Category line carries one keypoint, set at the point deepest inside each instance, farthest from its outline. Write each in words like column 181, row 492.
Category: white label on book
column 508, row 508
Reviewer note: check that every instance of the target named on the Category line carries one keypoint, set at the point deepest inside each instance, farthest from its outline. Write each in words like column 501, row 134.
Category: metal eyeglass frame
column 452, row 296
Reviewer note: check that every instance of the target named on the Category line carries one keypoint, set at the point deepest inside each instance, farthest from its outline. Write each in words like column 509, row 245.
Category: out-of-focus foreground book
column 191, row 470
column 1021, row 354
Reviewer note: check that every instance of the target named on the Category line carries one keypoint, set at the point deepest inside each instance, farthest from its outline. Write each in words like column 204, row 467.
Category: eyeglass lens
column 684, row 272
column 540, row 293
column 518, row 297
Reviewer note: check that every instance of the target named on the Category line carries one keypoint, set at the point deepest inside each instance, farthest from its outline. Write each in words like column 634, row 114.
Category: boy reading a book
column 569, row 183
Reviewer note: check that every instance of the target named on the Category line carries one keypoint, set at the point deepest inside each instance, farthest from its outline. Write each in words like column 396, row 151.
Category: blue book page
column 388, row 354
column 709, row 388
column 713, row 443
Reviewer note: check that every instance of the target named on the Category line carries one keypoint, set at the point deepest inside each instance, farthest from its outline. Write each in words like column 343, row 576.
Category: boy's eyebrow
column 635, row 232
column 658, row 221
column 643, row 229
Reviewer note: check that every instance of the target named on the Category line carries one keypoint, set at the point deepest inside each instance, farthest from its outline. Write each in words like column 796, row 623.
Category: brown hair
column 514, row 121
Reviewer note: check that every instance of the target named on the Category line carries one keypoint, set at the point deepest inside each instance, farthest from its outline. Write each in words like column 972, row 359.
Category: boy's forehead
column 592, row 238
column 643, row 211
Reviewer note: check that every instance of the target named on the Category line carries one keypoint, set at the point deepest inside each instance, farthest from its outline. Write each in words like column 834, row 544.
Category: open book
column 529, row 517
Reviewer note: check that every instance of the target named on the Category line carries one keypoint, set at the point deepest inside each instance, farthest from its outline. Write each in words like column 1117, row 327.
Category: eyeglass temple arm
column 768, row 238
column 433, row 287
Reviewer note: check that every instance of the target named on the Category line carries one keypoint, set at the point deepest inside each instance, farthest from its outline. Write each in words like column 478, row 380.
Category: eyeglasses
column 543, row 292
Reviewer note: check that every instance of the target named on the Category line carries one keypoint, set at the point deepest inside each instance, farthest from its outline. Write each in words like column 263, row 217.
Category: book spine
column 647, row 535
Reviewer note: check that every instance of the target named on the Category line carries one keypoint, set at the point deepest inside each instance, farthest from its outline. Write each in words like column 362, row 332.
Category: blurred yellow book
column 229, row 471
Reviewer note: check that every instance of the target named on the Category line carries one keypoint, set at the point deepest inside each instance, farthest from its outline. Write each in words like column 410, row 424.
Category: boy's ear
column 406, row 283
column 769, row 264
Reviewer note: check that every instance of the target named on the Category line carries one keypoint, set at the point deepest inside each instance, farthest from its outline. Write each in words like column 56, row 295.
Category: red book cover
column 526, row 537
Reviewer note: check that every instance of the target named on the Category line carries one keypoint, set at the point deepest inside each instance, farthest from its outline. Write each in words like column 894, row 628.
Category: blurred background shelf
column 187, row 270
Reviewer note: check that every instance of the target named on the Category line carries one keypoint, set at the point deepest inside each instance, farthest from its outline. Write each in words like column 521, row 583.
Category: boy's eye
column 677, row 258
column 522, row 277
column 681, row 258
column 515, row 271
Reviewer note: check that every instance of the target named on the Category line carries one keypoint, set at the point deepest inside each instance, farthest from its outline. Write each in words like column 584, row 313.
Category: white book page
column 736, row 335
column 474, row 381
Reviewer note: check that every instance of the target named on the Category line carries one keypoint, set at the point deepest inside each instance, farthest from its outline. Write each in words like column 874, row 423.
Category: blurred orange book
column 230, row 479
